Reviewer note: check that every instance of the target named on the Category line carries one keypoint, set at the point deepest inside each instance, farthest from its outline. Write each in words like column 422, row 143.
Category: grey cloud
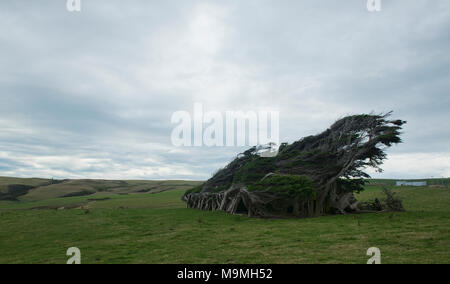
column 91, row 94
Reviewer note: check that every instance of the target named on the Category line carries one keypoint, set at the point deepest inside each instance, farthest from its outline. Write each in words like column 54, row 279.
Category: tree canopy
column 313, row 176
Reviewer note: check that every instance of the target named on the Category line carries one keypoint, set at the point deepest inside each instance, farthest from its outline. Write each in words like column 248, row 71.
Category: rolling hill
column 36, row 189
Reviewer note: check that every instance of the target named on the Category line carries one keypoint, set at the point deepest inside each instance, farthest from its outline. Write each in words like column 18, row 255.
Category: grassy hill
column 16, row 189
column 157, row 228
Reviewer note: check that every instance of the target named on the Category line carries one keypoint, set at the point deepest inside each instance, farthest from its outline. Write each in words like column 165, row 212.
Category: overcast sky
column 90, row 94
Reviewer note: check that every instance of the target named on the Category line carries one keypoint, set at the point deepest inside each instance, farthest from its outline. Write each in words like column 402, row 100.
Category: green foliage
column 392, row 202
column 292, row 185
column 195, row 189
column 254, row 170
column 220, row 188
column 353, row 143
column 390, row 138
column 350, row 185
column 199, row 188
column 283, row 146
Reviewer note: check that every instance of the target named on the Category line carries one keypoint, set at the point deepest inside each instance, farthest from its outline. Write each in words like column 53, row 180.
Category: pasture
column 157, row 228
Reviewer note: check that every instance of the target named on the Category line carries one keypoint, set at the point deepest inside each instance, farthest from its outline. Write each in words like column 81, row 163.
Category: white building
column 411, row 183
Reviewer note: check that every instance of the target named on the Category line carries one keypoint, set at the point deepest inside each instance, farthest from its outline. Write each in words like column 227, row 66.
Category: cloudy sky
column 90, row 94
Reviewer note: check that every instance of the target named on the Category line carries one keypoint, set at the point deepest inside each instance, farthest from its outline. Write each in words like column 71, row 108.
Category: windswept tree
column 314, row 176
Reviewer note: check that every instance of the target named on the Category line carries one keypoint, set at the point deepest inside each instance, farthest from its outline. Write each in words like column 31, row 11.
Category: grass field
column 34, row 189
column 157, row 228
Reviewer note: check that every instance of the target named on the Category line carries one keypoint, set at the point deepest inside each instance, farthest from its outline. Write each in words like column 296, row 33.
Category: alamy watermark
column 374, row 5
column 375, row 254
column 73, row 5
column 75, row 255
column 229, row 128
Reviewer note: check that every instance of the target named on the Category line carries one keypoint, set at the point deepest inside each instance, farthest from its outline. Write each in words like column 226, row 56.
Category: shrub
column 393, row 203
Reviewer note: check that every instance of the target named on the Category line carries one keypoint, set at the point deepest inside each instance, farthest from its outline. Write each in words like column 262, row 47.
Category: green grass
column 45, row 189
column 5, row 181
column 157, row 228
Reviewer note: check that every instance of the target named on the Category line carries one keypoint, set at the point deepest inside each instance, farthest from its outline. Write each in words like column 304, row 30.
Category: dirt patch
column 59, row 207
column 79, row 193
column 99, row 199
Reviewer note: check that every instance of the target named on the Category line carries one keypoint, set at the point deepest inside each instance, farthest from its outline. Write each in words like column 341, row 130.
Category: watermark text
column 232, row 128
